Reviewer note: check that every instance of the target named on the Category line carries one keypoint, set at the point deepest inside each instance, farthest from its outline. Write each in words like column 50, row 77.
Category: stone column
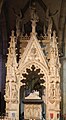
column 61, row 25
column 64, row 75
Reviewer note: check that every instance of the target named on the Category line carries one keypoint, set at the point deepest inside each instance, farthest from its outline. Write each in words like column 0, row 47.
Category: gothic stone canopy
column 37, row 56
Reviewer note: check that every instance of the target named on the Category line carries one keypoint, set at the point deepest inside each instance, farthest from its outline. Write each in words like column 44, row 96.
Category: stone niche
column 33, row 107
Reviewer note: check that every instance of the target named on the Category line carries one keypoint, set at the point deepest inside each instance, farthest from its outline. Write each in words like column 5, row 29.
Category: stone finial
column 44, row 30
column 49, row 24
column 54, row 33
column 33, row 26
column 12, row 33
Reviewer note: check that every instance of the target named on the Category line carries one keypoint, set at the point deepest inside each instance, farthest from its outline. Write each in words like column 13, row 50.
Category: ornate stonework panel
column 14, row 93
column 33, row 111
column 7, row 92
column 33, row 52
column 48, row 68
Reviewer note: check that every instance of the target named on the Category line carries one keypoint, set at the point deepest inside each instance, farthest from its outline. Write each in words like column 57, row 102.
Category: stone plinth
column 33, row 107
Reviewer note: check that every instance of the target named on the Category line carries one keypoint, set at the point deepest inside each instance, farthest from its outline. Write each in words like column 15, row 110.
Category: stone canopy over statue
column 36, row 69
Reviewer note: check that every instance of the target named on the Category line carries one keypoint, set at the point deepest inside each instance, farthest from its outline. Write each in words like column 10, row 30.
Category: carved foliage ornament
column 33, row 79
column 33, row 54
column 54, row 91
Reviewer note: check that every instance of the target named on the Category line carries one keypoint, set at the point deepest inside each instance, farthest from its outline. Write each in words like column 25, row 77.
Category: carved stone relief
column 52, row 90
column 57, row 90
column 14, row 93
column 7, row 90
column 33, row 111
column 33, row 54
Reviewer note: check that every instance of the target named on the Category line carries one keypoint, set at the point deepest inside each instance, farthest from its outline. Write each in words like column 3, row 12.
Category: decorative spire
column 11, row 88
column 18, row 22
column 54, row 56
column 49, row 31
column 12, row 33
column 49, row 21
column 11, row 60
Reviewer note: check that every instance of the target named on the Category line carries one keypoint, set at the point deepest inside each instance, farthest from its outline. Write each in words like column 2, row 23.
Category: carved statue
column 52, row 90
column 14, row 91
column 18, row 19
column 34, row 15
column 57, row 89
column 7, row 90
column 48, row 14
column 34, row 18
column 49, row 18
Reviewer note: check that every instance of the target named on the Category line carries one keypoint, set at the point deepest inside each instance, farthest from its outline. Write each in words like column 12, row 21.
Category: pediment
column 33, row 52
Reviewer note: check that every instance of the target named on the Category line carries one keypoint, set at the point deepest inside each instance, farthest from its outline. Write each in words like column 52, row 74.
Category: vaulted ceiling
column 55, row 6
column 42, row 6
